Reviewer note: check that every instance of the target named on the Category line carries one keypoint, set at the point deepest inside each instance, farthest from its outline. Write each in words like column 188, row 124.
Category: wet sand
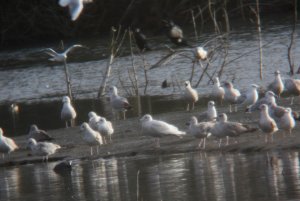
column 127, row 140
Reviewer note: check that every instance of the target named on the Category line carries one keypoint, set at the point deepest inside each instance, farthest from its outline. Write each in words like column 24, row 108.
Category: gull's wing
column 50, row 52
column 72, row 47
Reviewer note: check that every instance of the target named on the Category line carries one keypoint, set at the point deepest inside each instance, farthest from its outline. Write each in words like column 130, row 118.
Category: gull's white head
column 277, row 73
column 84, row 126
column 228, row 85
column 270, row 94
column 264, row 108
column 31, row 142
column 92, row 114
column 193, row 120
column 146, row 117
column 113, row 90
column 254, row 86
column 187, row 84
column 211, row 104
column 102, row 120
column 222, row 117
column 66, row 99
column 33, row 127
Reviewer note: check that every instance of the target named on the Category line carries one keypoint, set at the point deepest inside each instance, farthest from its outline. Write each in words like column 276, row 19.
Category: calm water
column 193, row 176
column 37, row 85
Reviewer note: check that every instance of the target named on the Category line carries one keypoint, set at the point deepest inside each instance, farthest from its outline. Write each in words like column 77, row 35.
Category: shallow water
column 192, row 176
column 37, row 85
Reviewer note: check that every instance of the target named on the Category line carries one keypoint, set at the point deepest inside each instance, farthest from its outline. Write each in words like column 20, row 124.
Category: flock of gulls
column 98, row 130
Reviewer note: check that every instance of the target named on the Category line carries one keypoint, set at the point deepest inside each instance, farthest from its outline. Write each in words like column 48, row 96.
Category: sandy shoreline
column 128, row 141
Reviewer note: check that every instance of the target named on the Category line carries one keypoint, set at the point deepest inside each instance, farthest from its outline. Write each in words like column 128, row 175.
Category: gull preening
column 75, row 7
column 250, row 97
column 200, row 130
column 7, row 145
column 190, row 95
column 38, row 134
column 224, row 128
column 44, row 149
column 268, row 99
column 292, row 87
column 158, row 129
column 60, row 57
column 90, row 136
column 211, row 113
column 93, row 120
column 231, row 95
column 266, row 123
column 277, row 85
column 118, row 103
column 217, row 92
column 201, row 53
column 68, row 113
column 105, row 128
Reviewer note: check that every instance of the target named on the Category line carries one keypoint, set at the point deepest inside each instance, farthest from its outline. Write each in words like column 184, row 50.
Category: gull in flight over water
column 158, row 129
column 60, row 57
column 75, row 7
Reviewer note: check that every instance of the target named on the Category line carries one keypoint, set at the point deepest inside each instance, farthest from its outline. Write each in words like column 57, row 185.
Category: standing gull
column 231, row 95
column 117, row 102
column 250, row 97
column 91, row 137
column 60, row 57
column 266, row 123
column 277, row 85
column 93, row 120
column 224, row 128
column 75, row 7
column 217, row 91
column 268, row 99
column 105, row 128
column 7, row 145
column 158, row 129
column 43, row 149
column 201, row 53
column 190, row 95
column 200, row 130
column 38, row 134
column 68, row 113
column 292, row 87
column 287, row 122
column 210, row 114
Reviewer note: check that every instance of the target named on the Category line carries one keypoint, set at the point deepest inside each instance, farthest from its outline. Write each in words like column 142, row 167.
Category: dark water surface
column 192, row 176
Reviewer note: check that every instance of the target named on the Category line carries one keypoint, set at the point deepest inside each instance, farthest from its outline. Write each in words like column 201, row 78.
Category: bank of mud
column 127, row 141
